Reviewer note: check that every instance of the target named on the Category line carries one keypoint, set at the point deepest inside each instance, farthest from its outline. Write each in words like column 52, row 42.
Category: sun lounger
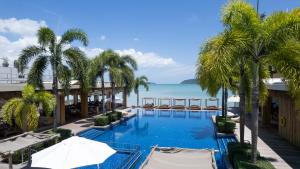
column 178, row 107
column 211, row 108
column 148, row 106
column 164, row 106
column 195, row 107
column 179, row 158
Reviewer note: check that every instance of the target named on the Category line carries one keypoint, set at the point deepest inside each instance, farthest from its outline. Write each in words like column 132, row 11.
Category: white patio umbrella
column 71, row 153
column 234, row 99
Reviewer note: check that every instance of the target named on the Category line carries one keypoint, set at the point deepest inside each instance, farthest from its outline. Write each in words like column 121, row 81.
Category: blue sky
column 164, row 36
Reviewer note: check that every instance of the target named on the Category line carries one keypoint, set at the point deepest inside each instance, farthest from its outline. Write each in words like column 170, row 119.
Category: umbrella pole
column 10, row 161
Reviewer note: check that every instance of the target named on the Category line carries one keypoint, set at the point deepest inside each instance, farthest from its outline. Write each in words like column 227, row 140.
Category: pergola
column 146, row 100
column 212, row 100
column 21, row 142
column 175, row 100
column 161, row 100
column 195, row 100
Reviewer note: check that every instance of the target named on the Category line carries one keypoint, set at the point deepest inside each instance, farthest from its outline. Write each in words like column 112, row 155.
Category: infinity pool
column 170, row 128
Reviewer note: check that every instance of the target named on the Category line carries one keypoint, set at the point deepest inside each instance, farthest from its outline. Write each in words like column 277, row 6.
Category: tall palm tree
column 140, row 81
column 274, row 41
column 127, row 83
column 52, row 51
column 25, row 110
column 120, row 70
column 78, row 63
column 98, row 67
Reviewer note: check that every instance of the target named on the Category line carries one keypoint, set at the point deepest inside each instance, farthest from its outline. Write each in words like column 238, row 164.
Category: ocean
column 172, row 91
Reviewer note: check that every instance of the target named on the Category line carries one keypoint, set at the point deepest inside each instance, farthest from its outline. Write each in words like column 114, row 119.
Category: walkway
column 84, row 124
column 278, row 151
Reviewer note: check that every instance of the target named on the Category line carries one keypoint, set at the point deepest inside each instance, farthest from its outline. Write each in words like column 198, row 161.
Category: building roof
column 276, row 84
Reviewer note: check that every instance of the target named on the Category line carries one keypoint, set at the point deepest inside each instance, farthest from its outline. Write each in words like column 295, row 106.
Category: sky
column 164, row 36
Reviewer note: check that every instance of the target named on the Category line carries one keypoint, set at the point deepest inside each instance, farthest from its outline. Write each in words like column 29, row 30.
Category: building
column 281, row 113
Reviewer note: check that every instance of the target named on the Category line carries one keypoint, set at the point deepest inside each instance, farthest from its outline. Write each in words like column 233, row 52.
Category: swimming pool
column 165, row 128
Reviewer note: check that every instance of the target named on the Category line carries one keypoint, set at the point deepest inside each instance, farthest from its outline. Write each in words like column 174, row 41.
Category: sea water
column 172, row 91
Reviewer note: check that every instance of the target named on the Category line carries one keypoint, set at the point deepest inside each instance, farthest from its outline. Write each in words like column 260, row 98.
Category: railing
column 133, row 151
column 11, row 75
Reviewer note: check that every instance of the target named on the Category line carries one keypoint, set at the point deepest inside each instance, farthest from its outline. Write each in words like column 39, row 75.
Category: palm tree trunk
column 225, row 102
column 223, row 96
column 55, row 91
column 103, row 93
column 255, row 109
column 242, row 104
column 137, row 98
column 113, row 99
column 125, row 97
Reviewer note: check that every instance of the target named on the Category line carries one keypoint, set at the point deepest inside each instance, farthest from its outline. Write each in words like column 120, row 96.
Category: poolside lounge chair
column 178, row 158
column 164, row 106
column 211, row 108
column 178, row 107
column 149, row 106
column 195, row 107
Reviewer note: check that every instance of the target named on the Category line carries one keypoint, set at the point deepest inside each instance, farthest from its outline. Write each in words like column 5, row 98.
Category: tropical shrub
column 114, row 117
column 119, row 115
column 102, row 121
column 64, row 133
column 239, row 156
column 225, row 125
column 24, row 111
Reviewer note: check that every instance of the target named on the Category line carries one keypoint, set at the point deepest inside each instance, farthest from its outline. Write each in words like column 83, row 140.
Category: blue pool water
column 148, row 128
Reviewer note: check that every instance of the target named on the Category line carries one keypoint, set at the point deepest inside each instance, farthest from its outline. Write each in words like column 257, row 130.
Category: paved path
column 84, row 124
column 279, row 152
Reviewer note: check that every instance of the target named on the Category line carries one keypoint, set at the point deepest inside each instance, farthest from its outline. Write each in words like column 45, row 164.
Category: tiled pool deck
column 279, row 152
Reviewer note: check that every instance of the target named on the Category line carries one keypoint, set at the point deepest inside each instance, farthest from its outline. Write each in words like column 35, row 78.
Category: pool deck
column 85, row 124
column 279, row 152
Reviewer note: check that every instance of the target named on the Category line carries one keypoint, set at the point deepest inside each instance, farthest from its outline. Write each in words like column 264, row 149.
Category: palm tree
column 98, row 68
column 78, row 63
column 117, row 65
column 140, row 81
column 127, row 83
column 54, row 52
column 120, row 70
column 24, row 111
column 274, row 41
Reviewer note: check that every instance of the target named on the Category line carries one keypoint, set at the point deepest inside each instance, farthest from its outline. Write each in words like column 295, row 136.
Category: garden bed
column 240, row 157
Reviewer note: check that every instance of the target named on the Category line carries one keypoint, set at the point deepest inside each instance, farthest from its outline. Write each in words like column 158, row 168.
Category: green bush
column 64, row 133
column 239, row 155
column 119, row 114
column 220, row 119
column 227, row 126
column 114, row 117
column 102, row 121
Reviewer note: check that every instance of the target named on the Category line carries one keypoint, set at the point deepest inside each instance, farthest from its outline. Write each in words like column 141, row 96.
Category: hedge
column 64, row 133
column 239, row 155
column 225, row 125
column 102, row 121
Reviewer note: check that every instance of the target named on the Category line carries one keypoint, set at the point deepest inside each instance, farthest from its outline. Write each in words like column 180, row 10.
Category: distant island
column 151, row 83
column 189, row 81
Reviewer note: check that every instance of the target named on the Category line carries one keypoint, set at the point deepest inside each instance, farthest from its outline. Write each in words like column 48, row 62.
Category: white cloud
column 136, row 39
column 22, row 27
column 25, row 29
column 148, row 59
column 91, row 52
column 159, row 69
column 102, row 37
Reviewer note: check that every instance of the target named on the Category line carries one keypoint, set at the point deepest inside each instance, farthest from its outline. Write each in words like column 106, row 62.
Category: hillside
column 189, row 81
